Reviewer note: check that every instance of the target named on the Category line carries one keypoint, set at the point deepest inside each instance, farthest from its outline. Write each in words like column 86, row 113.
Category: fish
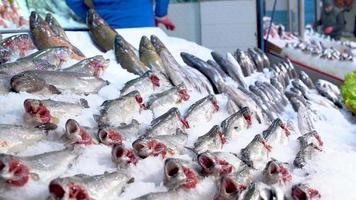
column 49, row 111
column 259, row 190
column 110, row 135
column 197, row 80
column 201, row 111
column 291, row 70
column 121, row 110
column 264, row 98
column 55, row 26
column 47, row 59
column 122, row 156
column 256, row 153
column 147, row 84
column 82, row 186
column 43, row 37
column 278, row 93
column 5, row 83
column 16, row 171
column 276, row 172
column 245, row 62
column 217, row 67
column 15, row 45
column 232, row 185
column 304, row 155
column 299, row 85
column 94, row 66
column 213, row 140
column 164, row 145
column 296, row 103
column 311, row 138
column 149, row 56
column 277, row 133
column 275, row 82
column 167, row 123
column 172, row 195
column 329, row 91
column 77, row 134
column 180, row 173
column 16, row 138
column 127, row 58
column 304, row 191
column 219, row 164
column 266, row 61
column 306, row 79
column 231, row 66
column 257, row 59
column 170, row 98
column 231, row 107
column 274, row 98
column 305, row 123
column 236, row 123
column 56, row 82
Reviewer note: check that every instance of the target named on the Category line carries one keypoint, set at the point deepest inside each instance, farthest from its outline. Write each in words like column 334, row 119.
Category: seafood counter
column 135, row 114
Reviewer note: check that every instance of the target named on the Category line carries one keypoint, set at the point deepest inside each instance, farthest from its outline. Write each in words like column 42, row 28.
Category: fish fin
column 47, row 126
column 34, row 176
column 53, row 89
column 84, row 103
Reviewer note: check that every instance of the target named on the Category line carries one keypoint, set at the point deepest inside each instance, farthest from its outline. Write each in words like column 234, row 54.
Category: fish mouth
column 229, row 186
column 76, row 134
column 110, row 137
column 15, row 173
column 172, row 169
column 38, row 111
column 151, row 147
column 140, row 149
column 207, row 163
column 72, row 190
column 122, row 155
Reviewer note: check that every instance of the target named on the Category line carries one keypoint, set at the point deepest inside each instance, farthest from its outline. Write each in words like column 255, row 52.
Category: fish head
column 61, row 55
column 145, row 44
column 13, row 172
column 174, row 175
column 304, row 191
column 229, row 189
column 59, row 189
column 144, row 147
column 76, row 134
column 123, row 156
column 37, row 23
column 157, row 43
column 121, row 44
column 98, row 65
column 26, row 82
column 38, row 111
column 276, row 172
column 207, row 163
column 109, row 136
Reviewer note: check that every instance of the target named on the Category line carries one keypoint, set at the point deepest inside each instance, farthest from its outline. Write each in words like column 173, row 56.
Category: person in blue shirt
column 126, row 13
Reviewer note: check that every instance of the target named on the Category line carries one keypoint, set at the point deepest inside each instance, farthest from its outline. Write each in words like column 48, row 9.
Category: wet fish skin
column 172, row 194
column 84, row 186
column 231, row 107
column 149, row 56
column 94, row 66
column 101, row 33
column 43, row 37
column 299, row 85
column 276, row 92
column 264, row 98
column 277, row 132
column 310, row 138
column 18, row 44
column 306, row 79
column 212, row 140
column 276, row 172
column 275, row 82
column 329, row 90
column 5, row 83
column 245, row 62
column 266, row 62
column 56, row 82
column 201, row 111
column 257, row 59
column 305, row 153
column 259, row 190
column 236, row 123
column 56, row 27
column 46, row 59
column 164, row 145
column 256, row 153
column 304, row 191
column 219, row 164
column 15, row 138
column 127, row 58
column 216, row 66
column 274, row 99
column 110, row 135
column 305, row 123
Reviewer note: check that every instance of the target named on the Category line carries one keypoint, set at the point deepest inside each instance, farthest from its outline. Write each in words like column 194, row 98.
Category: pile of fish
column 161, row 87
column 314, row 48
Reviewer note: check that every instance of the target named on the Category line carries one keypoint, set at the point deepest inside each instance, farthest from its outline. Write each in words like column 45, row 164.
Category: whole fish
column 83, row 186
column 219, row 163
column 16, row 45
column 46, row 59
column 245, row 62
column 311, row 138
column 94, row 66
column 306, row 79
column 149, row 56
column 258, row 190
column 303, row 191
column 160, row 102
column 256, row 153
column 236, row 123
column 212, row 140
column 121, row 110
column 180, row 173
column 50, row 111
column 43, row 36
column 231, row 186
column 77, row 134
column 127, row 58
column 147, row 84
column 15, row 138
column 201, row 111
column 116, row 135
column 55, row 27
column 17, row 171
column 5, row 83
column 276, row 172
column 100, row 32
column 123, row 156
column 257, row 59
column 304, row 155
column 167, row 123
column 330, row 91
column 55, row 82
column 164, row 145
column 276, row 133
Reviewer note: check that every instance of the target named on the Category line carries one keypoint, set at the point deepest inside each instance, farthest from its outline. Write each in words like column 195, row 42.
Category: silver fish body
column 277, row 133
column 4, row 84
column 236, row 123
column 330, row 91
column 258, row 190
column 109, row 135
column 94, row 66
column 256, row 153
column 306, row 79
column 213, row 140
column 305, row 154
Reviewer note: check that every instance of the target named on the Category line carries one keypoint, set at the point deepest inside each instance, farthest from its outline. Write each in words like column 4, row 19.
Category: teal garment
column 335, row 18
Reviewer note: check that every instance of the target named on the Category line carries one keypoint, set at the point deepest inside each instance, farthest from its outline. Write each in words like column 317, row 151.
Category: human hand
column 166, row 22
column 328, row 30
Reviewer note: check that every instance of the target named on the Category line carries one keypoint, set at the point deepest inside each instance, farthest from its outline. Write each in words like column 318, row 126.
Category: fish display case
column 136, row 114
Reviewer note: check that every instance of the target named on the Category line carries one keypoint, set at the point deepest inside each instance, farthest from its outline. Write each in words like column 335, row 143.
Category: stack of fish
column 162, row 86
